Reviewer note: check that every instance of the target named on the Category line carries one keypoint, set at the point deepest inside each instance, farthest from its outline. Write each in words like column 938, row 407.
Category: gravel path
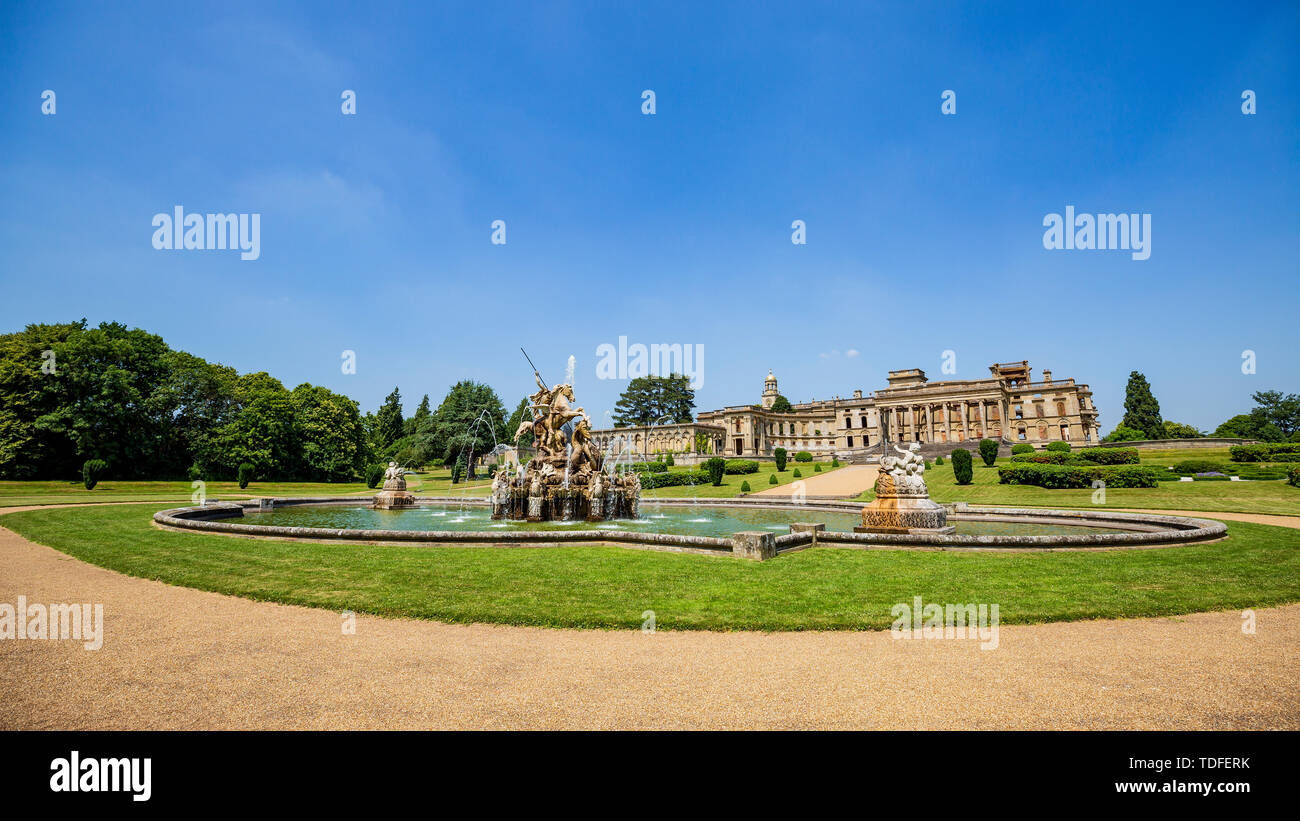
column 845, row 482
column 175, row 658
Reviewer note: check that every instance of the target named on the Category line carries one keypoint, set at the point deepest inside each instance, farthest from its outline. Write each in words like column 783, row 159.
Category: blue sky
column 924, row 231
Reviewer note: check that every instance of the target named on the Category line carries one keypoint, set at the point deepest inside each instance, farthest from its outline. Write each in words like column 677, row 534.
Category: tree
column 331, row 440
column 781, row 405
column 653, row 400
column 715, row 467
column 388, row 421
column 1125, row 434
column 470, row 422
column 523, row 413
column 1281, row 411
column 1177, row 430
column 779, row 455
column 412, row 426
column 1141, row 410
column 1253, row 425
column 262, row 432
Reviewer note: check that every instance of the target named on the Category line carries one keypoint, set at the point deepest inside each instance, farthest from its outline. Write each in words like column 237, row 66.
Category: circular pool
column 716, row 526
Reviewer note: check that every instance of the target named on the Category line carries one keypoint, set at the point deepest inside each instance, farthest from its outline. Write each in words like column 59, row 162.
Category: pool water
column 695, row 520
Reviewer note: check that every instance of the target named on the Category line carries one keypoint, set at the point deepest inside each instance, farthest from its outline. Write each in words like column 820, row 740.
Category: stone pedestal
column 903, row 505
column 754, row 544
column 394, row 496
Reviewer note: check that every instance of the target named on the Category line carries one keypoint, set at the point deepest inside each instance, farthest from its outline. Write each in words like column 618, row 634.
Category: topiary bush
column 771, row 478
column 458, row 470
column 835, row 461
column 744, row 487
column 1063, row 447
column 1022, row 447
column 803, row 456
column 938, row 460
column 374, row 475
column 244, row 474
column 668, row 460
column 779, row 455
column 797, row 474
column 1187, row 467
column 988, row 451
column 961, row 466
column 817, row 468
column 715, row 467
column 92, row 471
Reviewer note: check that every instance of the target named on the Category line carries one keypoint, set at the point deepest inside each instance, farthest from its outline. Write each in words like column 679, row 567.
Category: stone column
column 965, row 420
column 984, row 417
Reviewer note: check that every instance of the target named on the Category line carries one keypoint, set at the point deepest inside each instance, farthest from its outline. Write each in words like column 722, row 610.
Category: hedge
column 674, row 478
column 1109, row 456
column 739, row 466
column 1076, row 476
column 1022, row 448
column 1281, row 452
column 1063, row 447
column 803, row 456
column 1051, row 458
column 649, row 467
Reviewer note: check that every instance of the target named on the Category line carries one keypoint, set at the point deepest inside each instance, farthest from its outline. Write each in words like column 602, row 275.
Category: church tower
column 769, row 390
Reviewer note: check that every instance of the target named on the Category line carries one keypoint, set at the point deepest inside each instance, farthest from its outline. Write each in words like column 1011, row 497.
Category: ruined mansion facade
column 1007, row 405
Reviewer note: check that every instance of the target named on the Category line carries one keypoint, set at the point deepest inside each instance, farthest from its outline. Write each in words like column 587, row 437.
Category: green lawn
column 13, row 493
column 1237, row 497
column 610, row 587
column 731, row 483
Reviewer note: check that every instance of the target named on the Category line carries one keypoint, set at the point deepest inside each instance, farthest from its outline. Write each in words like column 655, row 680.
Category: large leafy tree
column 1253, row 425
column 781, row 404
column 261, row 433
column 1141, row 410
column 653, row 400
column 1278, row 409
column 331, row 438
column 470, row 422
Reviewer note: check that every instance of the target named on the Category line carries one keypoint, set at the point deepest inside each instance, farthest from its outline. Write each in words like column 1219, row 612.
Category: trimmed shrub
column 835, row 461
column 779, row 455
column 817, row 468
column 938, row 460
column 668, row 459
column 803, row 456
column 674, row 478
column 650, row 467
column 737, row 467
column 988, row 451
column 771, row 479
column 1280, row 452
column 1191, row 466
column 1046, row 458
column 797, row 474
column 1022, row 447
column 1293, row 476
column 92, row 471
column 744, row 487
column 374, row 475
column 244, row 474
column 1063, row 447
column 1109, row 456
column 1078, row 476
column 961, row 466
column 715, row 467
column 458, row 470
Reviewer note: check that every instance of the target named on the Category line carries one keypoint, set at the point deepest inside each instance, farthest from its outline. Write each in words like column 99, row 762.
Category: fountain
column 564, row 481
column 394, row 495
column 902, row 503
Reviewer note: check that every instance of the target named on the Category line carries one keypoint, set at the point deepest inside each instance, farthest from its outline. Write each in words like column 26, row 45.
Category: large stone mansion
column 1006, row 405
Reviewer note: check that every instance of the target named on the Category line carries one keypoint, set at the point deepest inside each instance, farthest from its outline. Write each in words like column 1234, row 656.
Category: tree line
column 1275, row 418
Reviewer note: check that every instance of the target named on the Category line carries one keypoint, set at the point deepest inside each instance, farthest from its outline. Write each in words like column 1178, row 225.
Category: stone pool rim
column 1143, row 530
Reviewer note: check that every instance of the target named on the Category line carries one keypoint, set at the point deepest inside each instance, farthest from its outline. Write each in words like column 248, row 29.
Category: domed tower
column 769, row 390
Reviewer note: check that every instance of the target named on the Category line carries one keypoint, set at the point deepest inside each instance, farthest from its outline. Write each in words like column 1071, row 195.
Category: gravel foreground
column 175, row 658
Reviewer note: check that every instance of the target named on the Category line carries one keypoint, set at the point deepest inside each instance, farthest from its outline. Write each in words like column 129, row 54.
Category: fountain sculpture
column 565, row 480
column 902, row 503
column 394, row 496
